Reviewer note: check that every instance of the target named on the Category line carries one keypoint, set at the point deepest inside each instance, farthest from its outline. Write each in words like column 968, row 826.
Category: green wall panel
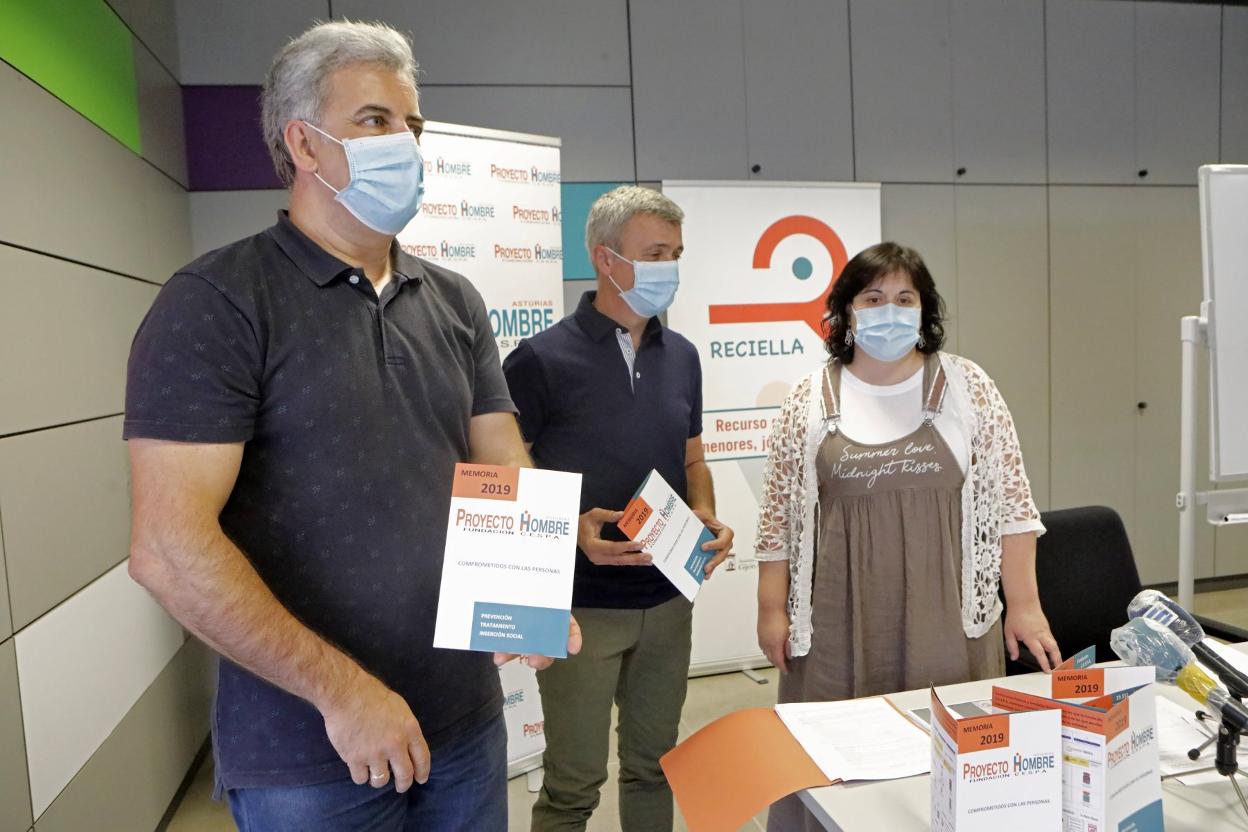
column 82, row 53
column 577, row 197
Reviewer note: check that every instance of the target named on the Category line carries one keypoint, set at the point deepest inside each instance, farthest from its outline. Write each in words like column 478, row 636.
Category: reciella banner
column 759, row 261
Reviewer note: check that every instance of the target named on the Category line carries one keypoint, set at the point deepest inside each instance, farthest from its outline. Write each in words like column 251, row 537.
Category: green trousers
column 638, row 659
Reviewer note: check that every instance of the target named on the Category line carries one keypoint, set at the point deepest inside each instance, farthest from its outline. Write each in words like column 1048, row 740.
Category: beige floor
column 1230, row 606
column 710, row 697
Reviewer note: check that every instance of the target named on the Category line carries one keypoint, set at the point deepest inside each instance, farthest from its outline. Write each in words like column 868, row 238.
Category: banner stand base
column 524, row 765
column 743, row 664
column 754, row 677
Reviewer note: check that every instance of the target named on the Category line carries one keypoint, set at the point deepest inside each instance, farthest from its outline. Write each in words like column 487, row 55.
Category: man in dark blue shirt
column 612, row 393
column 296, row 404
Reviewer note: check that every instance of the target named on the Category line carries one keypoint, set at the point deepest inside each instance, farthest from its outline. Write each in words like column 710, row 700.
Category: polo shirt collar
column 319, row 265
column 598, row 326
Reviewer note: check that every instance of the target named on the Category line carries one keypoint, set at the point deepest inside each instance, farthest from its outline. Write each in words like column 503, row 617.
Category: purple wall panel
column 224, row 144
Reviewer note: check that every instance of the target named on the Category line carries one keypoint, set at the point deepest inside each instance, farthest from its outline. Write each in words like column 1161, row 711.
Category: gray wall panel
column 998, row 90
column 1091, row 91
column 155, row 23
column 80, row 194
column 594, row 122
column 161, row 131
column 1093, row 309
column 1177, row 69
column 798, row 45
column 1002, row 307
column 6, row 617
column 688, row 90
column 235, row 41
column 167, row 237
column 1123, row 273
column 1235, row 85
column 1231, row 550
column 923, row 217
column 572, row 291
column 221, row 217
column 486, row 42
column 1168, row 286
column 79, row 322
column 128, row 784
column 15, row 811
column 81, row 469
column 903, row 93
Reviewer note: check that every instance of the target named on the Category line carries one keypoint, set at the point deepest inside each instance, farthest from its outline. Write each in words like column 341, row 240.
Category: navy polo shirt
column 582, row 414
column 353, row 411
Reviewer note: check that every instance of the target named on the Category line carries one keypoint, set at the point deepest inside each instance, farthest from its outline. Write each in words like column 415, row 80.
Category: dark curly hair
column 865, row 268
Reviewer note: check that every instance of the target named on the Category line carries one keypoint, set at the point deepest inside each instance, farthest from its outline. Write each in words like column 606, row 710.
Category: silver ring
column 381, row 776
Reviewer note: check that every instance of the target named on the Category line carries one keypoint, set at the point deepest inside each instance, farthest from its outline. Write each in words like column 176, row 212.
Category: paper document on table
column 858, row 739
column 1178, row 731
column 922, row 717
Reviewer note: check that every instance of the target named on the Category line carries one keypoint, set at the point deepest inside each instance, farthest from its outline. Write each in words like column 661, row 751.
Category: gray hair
column 297, row 84
column 616, row 207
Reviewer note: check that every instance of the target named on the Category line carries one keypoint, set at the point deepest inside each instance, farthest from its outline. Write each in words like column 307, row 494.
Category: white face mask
column 387, row 179
column 888, row 332
column 654, row 285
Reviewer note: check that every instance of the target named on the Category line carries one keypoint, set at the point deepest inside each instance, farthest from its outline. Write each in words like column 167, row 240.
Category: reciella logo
column 809, row 312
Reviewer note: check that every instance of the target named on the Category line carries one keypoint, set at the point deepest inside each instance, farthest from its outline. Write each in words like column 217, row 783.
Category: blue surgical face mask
column 888, row 332
column 387, row 179
column 654, row 285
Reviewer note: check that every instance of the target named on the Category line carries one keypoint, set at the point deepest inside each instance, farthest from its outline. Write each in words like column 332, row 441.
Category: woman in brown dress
column 895, row 503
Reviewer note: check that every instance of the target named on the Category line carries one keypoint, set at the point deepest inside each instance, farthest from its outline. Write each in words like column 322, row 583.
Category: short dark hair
column 865, row 268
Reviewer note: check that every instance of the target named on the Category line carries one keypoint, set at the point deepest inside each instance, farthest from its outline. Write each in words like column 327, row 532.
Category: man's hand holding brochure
column 685, row 545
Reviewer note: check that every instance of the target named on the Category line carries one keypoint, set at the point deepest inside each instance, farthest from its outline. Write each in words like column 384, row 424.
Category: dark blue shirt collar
column 598, row 326
column 320, row 266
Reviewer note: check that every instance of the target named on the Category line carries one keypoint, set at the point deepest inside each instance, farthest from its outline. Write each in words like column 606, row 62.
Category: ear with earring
column 834, row 322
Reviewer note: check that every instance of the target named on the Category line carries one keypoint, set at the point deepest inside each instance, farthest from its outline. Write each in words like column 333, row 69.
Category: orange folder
column 735, row 767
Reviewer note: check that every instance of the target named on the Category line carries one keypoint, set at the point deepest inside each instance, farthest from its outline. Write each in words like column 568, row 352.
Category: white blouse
column 996, row 496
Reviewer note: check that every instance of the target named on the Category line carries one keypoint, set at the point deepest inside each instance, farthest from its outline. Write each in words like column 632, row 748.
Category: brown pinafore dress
column 886, row 601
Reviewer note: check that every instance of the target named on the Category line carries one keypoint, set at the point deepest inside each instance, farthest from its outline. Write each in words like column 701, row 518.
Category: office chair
column 1086, row 574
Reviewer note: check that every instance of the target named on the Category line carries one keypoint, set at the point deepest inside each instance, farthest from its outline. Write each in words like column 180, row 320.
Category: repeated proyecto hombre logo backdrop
column 492, row 211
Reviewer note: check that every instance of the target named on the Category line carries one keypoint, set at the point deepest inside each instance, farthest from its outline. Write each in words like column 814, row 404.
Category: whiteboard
column 1224, row 253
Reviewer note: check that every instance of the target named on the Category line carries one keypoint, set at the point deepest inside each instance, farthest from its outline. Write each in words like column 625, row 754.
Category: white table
column 903, row 805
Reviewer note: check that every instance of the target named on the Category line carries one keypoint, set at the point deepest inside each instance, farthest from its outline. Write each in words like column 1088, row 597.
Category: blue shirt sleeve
column 695, row 406
column 489, row 388
column 527, row 383
column 195, row 368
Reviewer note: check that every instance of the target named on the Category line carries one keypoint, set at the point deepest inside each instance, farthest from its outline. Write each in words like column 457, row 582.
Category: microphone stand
column 1226, row 759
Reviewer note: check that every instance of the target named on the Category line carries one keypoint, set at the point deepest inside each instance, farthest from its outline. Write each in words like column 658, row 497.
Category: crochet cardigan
column 996, row 495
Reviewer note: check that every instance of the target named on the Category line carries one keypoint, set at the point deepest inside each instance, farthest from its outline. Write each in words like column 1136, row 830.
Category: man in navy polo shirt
column 296, row 404
column 612, row 393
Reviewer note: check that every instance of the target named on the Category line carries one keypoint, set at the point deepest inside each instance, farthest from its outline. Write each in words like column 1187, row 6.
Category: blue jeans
column 467, row 790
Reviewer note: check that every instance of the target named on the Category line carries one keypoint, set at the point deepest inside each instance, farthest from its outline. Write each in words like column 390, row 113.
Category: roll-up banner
column 759, row 261
column 492, row 212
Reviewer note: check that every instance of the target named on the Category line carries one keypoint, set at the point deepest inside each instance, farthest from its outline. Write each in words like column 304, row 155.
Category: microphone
column 1142, row 642
column 1155, row 606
